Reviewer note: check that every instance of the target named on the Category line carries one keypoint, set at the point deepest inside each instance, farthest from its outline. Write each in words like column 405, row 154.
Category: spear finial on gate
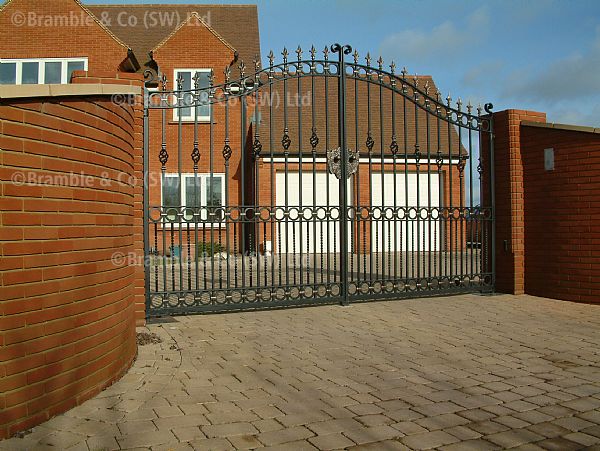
column 299, row 53
column 380, row 63
column 469, row 107
column 355, row 55
column 313, row 52
column 227, row 73
column 163, row 82
column 404, row 72
column 271, row 58
column 242, row 68
column 256, row 63
column 393, row 68
column 459, row 104
column 449, row 100
column 179, row 81
column 427, row 87
column 368, row 59
column 196, row 79
column 326, row 53
column 285, row 55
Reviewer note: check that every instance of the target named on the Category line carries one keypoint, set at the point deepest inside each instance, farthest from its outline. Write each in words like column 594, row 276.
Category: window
column 192, row 191
column 30, row 73
column 39, row 71
column 53, row 72
column 8, row 73
column 187, row 106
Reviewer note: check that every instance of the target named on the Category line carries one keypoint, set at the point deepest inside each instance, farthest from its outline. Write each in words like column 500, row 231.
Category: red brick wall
column 81, row 37
column 562, row 214
column 67, row 316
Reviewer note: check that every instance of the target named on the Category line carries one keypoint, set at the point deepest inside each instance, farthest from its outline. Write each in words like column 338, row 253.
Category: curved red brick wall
column 67, row 206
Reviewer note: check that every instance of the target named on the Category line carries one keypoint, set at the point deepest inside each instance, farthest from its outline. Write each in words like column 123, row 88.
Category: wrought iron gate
column 317, row 180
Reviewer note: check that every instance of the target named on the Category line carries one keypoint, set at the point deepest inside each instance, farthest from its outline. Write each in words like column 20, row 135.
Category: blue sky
column 529, row 54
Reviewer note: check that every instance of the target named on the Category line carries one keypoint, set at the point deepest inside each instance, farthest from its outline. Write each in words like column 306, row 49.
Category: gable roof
column 145, row 27
column 88, row 12
column 187, row 22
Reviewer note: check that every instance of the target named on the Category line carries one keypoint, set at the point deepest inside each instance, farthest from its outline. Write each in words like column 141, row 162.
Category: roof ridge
column 5, row 4
column 146, row 5
column 183, row 23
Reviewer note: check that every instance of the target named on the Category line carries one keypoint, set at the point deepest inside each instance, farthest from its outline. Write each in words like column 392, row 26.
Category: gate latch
column 334, row 161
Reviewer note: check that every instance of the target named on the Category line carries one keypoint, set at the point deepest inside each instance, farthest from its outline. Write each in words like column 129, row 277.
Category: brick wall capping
column 574, row 128
column 28, row 91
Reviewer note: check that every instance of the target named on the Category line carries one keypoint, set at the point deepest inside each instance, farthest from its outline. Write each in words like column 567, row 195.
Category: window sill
column 183, row 226
column 191, row 122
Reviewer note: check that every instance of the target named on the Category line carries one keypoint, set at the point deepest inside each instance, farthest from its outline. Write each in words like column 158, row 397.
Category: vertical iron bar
column 418, row 184
column 370, row 144
column 180, row 187
column 146, row 206
column 300, row 185
column 406, row 214
column 450, row 203
column 345, row 50
column 460, row 224
column 470, row 221
column 273, row 208
column 492, row 188
column 357, row 180
column 394, row 152
column 381, row 145
column 211, row 211
column 429, row 202
column 328, row 221
column 243, row 214
column 314, row 144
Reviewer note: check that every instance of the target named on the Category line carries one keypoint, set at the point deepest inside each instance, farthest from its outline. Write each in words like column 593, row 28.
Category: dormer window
column 37, row 71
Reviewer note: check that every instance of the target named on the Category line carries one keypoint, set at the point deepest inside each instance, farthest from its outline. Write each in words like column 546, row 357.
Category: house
column 406, row 158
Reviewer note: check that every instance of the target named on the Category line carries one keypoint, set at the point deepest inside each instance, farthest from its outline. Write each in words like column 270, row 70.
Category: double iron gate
column 317, row 180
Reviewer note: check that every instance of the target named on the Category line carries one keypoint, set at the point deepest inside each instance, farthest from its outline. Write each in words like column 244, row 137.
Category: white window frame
column 203, row 177
column 42, row 67
column 190, row 118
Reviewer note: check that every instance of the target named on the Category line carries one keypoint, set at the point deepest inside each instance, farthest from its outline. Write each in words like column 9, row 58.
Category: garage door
column 410, row 233
column 301, row 233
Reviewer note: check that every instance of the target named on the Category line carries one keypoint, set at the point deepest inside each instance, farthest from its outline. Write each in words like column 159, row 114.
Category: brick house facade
column 168, row 38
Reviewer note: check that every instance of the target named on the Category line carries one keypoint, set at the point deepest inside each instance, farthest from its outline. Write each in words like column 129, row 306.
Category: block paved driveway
column 464, row 372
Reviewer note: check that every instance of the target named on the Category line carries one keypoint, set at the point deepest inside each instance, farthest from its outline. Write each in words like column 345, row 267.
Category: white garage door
column 408, row 233
column 308, row 235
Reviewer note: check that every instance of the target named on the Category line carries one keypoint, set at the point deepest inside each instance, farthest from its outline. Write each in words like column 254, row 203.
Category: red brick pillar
column 510, row 227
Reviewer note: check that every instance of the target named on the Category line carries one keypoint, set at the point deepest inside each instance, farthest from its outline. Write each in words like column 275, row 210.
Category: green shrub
column 208, row 249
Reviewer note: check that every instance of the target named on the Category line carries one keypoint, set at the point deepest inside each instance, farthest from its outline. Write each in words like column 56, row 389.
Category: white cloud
column 479, row 76
column 446, row 40
column 569, row 78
